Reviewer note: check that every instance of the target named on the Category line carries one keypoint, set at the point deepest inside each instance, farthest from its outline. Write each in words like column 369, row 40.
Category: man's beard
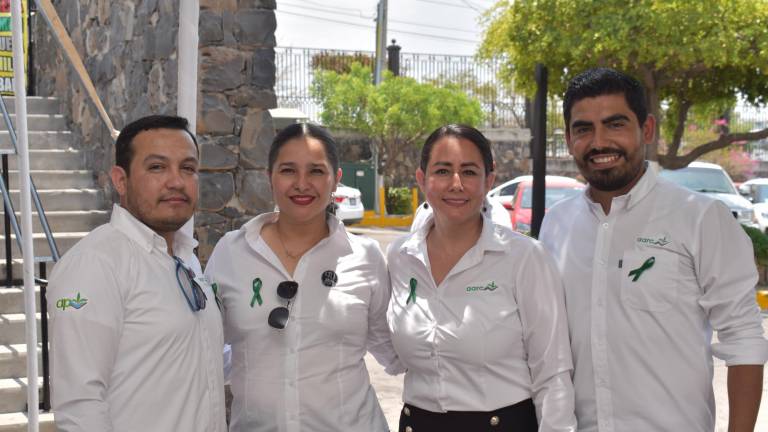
column 612, row 179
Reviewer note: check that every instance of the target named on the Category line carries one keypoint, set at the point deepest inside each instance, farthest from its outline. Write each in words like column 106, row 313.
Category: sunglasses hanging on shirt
column 278, row 318
column 185, row 277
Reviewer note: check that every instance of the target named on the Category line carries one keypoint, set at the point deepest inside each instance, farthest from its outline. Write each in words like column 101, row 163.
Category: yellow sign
column 6, row 44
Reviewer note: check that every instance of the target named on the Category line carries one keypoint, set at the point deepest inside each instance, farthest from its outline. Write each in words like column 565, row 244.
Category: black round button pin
column 329, row 278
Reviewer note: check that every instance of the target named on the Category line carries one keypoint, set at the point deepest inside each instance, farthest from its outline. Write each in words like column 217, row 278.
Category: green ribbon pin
column 256, row 292
column 215, row 288
column 639, row 271
column 412, row 295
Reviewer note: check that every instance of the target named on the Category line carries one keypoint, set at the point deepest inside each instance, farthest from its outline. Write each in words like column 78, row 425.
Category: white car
column 756, row 190
column 349, row 205
column 712, row 179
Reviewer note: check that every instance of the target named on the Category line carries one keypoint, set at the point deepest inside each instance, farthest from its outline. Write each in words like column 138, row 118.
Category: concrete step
column 17, row 422
column 41, row 140
column 13, row 394
column 64, row 199
column 35, row 105
column 55, row 179
column 12, row 298
column 39, row 122
column 51, row 159
column 66, row 220
column 12, row 332
column 64, row 242
column 13, row 360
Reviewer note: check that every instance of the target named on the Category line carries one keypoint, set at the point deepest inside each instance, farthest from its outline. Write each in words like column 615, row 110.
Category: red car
column 519, row 207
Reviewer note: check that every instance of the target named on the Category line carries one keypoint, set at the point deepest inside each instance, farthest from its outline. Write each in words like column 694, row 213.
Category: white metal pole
column 20, row 93
column 189, row 17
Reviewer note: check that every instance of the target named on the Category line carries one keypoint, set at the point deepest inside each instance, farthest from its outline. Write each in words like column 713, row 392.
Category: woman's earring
column 426, row 206
column 484, row 209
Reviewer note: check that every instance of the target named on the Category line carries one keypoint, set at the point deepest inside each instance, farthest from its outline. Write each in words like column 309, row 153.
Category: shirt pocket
column 649, row 280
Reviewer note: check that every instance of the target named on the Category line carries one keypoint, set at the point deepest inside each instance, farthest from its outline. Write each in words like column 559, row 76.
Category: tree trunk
column 654, row 107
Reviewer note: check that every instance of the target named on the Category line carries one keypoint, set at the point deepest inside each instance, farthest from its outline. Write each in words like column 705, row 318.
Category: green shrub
column 759, row 243
column 399, row 201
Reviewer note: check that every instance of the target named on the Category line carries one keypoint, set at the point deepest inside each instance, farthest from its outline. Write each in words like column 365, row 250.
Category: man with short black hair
column 650, row 269
column 136, row 332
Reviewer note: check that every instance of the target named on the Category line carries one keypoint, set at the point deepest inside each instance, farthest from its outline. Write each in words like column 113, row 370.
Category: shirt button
column 605, row 225
column 408, row 429
column 406, row 411
column 495, row 421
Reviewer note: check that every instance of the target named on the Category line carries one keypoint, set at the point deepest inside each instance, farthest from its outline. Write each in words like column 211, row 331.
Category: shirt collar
column 145, row 237
column 337, row 234
column 490, row 237
column 639, row 191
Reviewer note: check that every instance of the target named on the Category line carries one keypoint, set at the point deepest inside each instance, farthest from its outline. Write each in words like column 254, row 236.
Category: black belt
column 520, row 417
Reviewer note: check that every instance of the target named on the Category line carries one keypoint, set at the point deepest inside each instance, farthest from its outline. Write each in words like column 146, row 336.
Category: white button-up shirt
column 493, row 333
column 645, row 285
column 310, row 376
column 128, row 353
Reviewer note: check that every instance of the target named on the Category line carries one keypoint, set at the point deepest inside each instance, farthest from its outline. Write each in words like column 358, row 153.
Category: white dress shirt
column 129, row 354
column 642, row 342
column 493, row 333
column 310, row 376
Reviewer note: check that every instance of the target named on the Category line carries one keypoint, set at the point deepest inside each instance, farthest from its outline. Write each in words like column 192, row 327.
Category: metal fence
column 479, row 79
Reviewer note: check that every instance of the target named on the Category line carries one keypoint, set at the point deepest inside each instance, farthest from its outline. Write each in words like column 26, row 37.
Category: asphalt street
column 389, row 389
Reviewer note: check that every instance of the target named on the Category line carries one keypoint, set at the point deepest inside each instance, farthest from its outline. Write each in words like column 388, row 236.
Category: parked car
column 712, row 179
column 349, row 205
column 519, row 205
column 756, row 191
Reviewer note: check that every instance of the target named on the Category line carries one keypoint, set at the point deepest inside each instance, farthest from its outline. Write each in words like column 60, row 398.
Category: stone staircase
column 74, row 206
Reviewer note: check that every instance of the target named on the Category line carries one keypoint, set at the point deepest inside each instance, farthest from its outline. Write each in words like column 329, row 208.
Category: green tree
column 687, row 53
column 397, row 114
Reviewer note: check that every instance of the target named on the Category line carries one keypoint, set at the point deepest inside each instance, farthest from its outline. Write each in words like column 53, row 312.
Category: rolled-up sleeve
column 727, row 275
column 86, row 312
column 545, row 332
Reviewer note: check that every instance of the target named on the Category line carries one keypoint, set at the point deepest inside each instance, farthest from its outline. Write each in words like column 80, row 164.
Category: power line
column 392, row 29
column 464, row 6
column 372, row 17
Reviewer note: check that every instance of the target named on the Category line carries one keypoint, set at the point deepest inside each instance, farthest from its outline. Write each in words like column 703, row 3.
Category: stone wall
column 237, row 78
column 129, row 48
column 130, row 57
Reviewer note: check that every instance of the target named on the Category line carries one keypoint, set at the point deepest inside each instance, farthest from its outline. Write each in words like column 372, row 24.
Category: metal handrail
column 35, row 198
column 62, row 37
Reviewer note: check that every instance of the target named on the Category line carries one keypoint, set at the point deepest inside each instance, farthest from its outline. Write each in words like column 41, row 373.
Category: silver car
column 712, row 179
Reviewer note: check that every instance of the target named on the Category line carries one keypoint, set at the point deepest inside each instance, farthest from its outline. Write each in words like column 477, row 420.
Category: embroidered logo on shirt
column 491, row 286
column 660, row 241
column 75, row 303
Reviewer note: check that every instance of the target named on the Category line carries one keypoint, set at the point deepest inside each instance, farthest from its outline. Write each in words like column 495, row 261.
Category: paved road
column 389, row 389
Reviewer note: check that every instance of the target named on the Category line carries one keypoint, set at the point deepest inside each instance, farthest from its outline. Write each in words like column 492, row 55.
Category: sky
column 419, row 26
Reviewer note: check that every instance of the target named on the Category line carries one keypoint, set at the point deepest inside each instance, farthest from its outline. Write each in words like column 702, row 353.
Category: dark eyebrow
column 443, row 164
column 580, row 123
column 470, row 164
column 614, row 118
column 151, row 157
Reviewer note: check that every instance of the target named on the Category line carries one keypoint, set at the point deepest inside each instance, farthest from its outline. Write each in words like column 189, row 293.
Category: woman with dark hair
column 303, row 301
column 477, row 311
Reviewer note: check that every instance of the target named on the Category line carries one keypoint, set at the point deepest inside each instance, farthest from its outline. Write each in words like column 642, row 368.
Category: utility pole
column 378, row 73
